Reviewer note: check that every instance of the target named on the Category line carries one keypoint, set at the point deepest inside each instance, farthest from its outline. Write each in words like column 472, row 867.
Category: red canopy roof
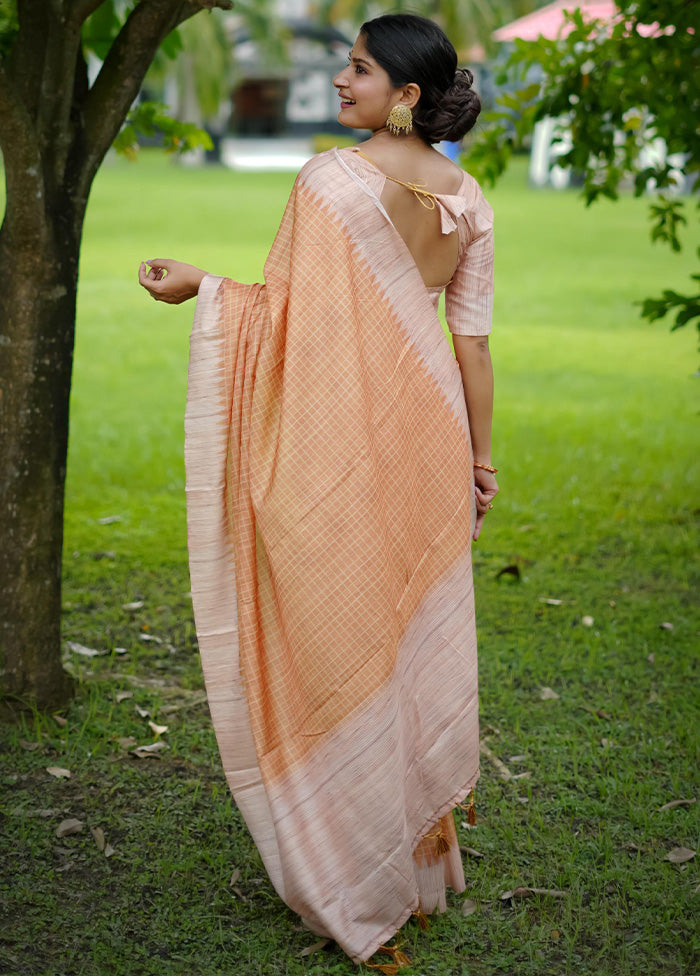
column 549, row 21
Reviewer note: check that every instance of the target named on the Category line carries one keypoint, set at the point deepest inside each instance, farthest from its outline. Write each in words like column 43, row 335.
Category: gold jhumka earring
column 400, row 120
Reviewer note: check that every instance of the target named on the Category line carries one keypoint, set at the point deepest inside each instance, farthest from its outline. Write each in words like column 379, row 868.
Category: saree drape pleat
column 330, row 510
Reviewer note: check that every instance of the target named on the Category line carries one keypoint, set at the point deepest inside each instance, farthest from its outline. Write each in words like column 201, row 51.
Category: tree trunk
column 37, row 321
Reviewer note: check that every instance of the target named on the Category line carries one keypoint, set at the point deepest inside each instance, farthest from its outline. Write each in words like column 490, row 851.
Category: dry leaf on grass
column 526, row 775
column 58, row 772
column 321, row 944
column 472, row 852
column 109, row 519
column 60, row 721
column 99, row 835
column 587, row 620
column 197, row 700
column 517, row 758
column 468, row 907
column 122, row 696
column 679, row 855
column 677, row 803
column 526, row 892
column 142, row 712
column 28, row 746
column 157, row 729
column 551, row 602
column 135, row 605
column 149, row 752
column 501, row 768
column 127, row 741
column 151, row 637
column 547, row 693
column 70, row 826
column 666, row 625
column 84, row 651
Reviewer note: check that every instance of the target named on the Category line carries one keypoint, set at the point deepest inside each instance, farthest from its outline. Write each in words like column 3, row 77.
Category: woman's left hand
column 170, row 281
column 485, row 489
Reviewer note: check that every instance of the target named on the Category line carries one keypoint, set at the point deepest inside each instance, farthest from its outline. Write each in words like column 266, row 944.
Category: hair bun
column 456, row 112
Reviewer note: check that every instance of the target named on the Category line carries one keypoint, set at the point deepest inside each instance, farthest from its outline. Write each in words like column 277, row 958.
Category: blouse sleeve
column 469, row 296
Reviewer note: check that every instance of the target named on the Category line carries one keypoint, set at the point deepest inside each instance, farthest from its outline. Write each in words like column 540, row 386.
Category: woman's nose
column 340, row 81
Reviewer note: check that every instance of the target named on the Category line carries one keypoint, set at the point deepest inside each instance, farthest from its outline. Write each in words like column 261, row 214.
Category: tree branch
column 123, row 71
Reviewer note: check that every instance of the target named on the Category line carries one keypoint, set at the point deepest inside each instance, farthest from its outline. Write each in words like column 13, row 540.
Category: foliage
column 629, row 94
column 150, row 118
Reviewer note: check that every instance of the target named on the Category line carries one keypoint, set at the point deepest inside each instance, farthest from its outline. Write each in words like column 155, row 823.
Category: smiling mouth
column 346, row 101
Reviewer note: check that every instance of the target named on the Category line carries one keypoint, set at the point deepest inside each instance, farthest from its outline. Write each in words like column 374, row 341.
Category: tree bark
column 37, row 315
column 54, row 133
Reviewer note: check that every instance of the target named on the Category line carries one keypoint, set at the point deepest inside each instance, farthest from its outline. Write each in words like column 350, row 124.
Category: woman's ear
column 410, row 94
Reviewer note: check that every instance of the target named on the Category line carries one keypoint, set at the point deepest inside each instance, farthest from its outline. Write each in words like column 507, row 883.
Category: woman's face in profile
column 365, row 90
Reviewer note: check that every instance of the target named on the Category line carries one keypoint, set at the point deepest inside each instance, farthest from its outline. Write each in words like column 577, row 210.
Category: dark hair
column 414, row 49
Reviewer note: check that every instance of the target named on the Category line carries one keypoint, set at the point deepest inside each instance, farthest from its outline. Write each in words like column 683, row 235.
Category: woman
column 338, row 463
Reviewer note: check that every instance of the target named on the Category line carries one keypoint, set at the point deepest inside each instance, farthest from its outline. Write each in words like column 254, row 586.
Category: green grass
column 596, row 439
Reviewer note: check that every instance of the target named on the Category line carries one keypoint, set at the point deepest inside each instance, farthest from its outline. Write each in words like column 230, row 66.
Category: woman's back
column 416, row 219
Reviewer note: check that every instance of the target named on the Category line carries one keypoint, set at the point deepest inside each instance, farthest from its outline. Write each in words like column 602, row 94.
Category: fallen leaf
column 109, row 850
column 321, row 944
column 127, row 741
column 547, row 693
column 677, row 803
column 149, row 752
column 58, row 772
column 151, row 637
column 555, row 933
column 525, row 892
column 28, row 746
column 197, row 700
column 142, row 712
column 650, row 658
column 470, row 851
column 60, row 721
column 613, row 604
column 158, row 729
column 666, row 625
column 653, row 698
column 523, row 799
column 120, row 650
column 468, row 907
column 512, row 571
column 83, row 651
column 587, row 620
column 136, row 605
column 526, row 775
column 109, row 519
column 235, row 877
column 501, row 767
column 122, row 696
column 679, row 855
column 70, row 826
column 99, row 835
column 517, row 758
column 551, row 602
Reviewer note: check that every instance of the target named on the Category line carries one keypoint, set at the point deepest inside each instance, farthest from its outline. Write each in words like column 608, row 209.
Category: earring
column 400, row 120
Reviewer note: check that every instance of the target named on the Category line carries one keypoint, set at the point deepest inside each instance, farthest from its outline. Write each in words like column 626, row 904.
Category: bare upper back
column 435, row 254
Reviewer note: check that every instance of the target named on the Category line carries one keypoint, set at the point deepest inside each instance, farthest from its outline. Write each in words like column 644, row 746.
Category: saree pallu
column 330, row 510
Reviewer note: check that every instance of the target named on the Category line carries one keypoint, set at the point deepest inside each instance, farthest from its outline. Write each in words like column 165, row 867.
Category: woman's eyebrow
column 359, row 60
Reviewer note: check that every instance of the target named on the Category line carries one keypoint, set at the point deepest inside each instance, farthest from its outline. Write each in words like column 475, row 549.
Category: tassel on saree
column 470, row 809
column 400, row 959
column 422, row 919
column 442, row 844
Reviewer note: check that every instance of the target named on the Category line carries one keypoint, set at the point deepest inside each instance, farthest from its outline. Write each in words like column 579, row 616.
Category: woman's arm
column 170, row 281
column 474, row 360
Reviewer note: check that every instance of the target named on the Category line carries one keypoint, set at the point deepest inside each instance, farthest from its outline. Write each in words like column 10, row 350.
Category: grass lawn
column 596, row 434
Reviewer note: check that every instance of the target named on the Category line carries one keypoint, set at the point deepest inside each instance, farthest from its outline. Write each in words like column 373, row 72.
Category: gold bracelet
column 486, row 467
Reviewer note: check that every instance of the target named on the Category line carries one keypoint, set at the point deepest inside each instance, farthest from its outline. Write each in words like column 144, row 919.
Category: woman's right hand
column 170, row 281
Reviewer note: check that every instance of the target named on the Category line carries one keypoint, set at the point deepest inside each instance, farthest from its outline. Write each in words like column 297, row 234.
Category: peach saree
column 330, row 510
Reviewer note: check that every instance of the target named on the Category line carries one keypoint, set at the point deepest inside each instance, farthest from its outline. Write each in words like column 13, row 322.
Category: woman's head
column 413, row 52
